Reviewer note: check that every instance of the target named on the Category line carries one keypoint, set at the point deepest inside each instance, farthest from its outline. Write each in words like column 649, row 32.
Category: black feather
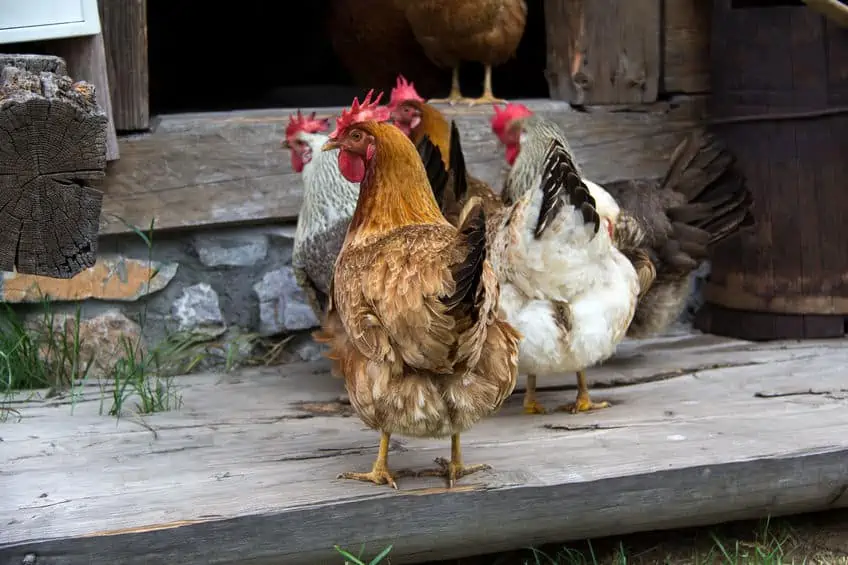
column 468, row 273
column 457, row 165
column 431, row 156
column 560, row 182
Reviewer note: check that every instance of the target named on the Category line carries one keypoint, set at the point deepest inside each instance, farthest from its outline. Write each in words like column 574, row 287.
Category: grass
column 814, row 539
column 41, row 356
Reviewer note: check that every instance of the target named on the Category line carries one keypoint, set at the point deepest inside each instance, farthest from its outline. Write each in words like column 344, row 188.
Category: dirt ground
column 811, row 539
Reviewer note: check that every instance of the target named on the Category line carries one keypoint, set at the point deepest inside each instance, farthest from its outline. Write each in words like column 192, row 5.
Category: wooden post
column 53, row 142
column 603, row 51
column 86, row 58
column 686, row 46
column 125, row 35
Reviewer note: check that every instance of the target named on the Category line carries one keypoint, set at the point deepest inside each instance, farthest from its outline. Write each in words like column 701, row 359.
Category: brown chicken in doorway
column 451, row 31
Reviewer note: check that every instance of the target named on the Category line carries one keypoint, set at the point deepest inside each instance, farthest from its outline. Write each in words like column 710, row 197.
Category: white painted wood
column 702, row 430
column 35, row 20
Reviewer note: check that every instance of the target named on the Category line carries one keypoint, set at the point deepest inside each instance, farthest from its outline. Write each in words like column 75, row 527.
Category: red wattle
column 352, row 166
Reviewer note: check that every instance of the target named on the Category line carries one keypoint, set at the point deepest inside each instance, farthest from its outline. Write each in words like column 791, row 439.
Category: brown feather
column 421, row 347
column 450, row 31
column 701, row 200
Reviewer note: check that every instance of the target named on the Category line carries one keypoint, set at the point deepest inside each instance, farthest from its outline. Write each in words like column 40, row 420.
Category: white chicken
column 564, row 286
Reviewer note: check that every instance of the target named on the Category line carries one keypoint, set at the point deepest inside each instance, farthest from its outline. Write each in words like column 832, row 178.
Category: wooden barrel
column 780, row 103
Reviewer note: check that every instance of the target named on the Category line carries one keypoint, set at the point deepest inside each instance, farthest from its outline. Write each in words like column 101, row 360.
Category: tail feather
column 431, row 156
column 457, row 165
column 560, row 180
column 467, row 275
column 717, row 198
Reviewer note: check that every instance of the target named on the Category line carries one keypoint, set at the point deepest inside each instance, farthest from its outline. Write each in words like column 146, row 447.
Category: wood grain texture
column 220, row 168
column 779, row 108
column 603, row 51
column 245, row 472
column 686, row 46
column 52, row 146
column 86, row 58
column 124, row 26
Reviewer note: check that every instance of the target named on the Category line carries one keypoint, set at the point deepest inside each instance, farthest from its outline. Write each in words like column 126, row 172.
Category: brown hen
column 451, row 31
column 413, row 321
column 420, row 120
column 360, row 28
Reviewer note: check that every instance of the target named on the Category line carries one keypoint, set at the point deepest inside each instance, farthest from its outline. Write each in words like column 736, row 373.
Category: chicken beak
column 330, row 145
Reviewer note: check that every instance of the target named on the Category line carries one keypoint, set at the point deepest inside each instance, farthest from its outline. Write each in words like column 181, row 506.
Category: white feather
column 570, row 265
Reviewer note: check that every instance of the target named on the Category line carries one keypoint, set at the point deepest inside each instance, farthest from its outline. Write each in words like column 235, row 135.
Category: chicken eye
column 356, row 135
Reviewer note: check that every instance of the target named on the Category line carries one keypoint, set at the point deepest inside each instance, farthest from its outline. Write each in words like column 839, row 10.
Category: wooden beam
column 125, row 35
column 219, row 168
column 86, row 58
column 603, row 51
column 52, row 146
column 686, row 46
column 834, row 10
column 245, row 472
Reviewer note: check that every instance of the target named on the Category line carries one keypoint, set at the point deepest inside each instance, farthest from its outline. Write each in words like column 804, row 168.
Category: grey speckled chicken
column 328, row 204
column 665, row 228
column 328, row 201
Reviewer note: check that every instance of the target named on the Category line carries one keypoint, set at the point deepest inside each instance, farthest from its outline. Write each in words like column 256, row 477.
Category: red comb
column 402, row 92
column 364, row 112
column 510, row 112
column 298, row 123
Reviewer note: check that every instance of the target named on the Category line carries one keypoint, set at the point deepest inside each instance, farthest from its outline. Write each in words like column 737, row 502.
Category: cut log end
column 52, row 144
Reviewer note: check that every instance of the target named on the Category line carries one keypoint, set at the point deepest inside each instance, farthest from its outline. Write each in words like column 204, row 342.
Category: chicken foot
column 583, row 403
column 488, row 97
column 454, row 469
column 380, row 474
column 455, row 95
column 531, row 405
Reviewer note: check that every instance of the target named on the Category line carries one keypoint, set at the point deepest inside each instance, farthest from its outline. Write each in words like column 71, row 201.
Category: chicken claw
column 455, row 96
column 485, row 99
column 531, row 406
column 453, row 99
column 583, row 403
column 380, row 474
column 454, row 469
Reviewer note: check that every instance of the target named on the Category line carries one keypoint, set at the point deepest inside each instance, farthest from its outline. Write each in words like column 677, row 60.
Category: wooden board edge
column 498, row 519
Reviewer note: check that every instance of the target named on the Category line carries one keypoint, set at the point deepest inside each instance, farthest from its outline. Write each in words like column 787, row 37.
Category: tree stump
column 52, row 144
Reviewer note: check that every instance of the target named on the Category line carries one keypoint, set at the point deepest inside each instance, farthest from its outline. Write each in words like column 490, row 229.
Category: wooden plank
column 218, row 168
column 86, row 58
column 251, row 455
column 686, row 46
column 125, row 35
column 603, row 51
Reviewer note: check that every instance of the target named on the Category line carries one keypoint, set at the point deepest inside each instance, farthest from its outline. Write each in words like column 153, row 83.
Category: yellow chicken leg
column 380, row 474
column 583, row 402
column 454, row 469
column 531, row 406
column 455, row 95
column 488, row 97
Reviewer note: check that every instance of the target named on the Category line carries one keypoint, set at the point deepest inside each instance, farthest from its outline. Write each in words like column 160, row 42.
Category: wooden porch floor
column 702, row 430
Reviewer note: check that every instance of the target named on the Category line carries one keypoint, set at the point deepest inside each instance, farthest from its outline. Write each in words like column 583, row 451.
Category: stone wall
column 221, row 283
column 218, row 282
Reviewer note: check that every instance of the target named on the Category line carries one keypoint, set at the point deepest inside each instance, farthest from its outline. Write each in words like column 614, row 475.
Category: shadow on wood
column 53, row 142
